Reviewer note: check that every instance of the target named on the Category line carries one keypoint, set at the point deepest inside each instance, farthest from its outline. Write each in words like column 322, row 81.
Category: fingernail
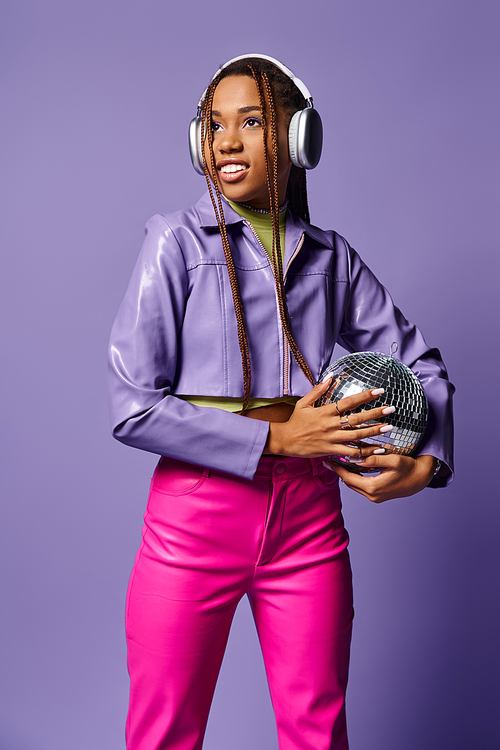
column 355, row 460
column 327, row 466
column 327, row 377
column 387, row 428
column 378, row 391
column 379, row 451
column 388, row 410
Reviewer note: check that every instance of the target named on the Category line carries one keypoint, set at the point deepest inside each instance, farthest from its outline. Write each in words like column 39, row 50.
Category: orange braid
column 219, row 214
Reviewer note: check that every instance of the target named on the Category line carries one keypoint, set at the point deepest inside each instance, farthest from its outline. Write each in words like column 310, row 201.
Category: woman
column 231, row 315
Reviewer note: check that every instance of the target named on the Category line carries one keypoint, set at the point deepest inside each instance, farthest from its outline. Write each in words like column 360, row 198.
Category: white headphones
column 305, row 132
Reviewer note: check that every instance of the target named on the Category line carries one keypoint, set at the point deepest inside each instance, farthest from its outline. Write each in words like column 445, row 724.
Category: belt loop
column 207, row 472
column 315, row 464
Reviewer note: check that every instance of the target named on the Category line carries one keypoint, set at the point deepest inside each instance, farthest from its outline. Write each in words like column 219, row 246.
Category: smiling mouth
column 231, row 168
column 232, row 171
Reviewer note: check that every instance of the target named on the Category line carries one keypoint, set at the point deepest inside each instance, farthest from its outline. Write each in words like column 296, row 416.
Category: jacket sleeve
column 143, row 360
column 372, row 323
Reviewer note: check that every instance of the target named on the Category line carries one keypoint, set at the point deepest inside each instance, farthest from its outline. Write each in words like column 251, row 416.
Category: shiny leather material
column 210, row 538
column 175, row 333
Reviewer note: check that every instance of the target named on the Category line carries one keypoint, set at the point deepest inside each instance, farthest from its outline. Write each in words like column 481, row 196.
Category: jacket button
column 280, row 469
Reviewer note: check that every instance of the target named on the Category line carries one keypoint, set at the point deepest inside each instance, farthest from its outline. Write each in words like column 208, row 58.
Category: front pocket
column 174, row 477
column 326, row 477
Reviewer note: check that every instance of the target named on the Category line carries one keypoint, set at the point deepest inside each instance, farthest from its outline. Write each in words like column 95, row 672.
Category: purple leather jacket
column 175, row 333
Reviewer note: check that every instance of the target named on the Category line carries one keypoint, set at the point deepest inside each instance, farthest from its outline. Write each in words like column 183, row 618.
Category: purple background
column 96, row 98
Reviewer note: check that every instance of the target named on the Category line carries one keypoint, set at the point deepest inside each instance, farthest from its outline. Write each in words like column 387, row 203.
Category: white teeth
column 228, row 168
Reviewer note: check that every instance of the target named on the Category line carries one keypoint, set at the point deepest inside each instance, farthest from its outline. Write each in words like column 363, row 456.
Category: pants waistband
column 269, row 467
column 276, row 467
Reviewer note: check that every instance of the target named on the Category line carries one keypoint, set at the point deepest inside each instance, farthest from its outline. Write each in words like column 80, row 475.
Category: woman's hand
column 312, row 432
column 400, row 476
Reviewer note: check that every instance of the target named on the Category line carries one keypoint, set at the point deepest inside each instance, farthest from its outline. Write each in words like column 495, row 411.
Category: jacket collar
column 206, row 214
column 295, row 225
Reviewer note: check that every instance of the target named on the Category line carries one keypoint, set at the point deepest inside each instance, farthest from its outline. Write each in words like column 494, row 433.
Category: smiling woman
column 233, row 311
column 240, row 159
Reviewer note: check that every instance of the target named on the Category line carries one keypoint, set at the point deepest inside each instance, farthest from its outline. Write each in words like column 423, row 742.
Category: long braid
column 271, row 188
column 296, row 193
column 219, row 214
column 277, row 258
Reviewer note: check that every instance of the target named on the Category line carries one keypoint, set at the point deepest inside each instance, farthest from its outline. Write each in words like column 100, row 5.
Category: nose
column 229, row 141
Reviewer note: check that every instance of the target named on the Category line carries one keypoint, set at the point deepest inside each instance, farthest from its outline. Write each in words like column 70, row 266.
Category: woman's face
column 237, row 123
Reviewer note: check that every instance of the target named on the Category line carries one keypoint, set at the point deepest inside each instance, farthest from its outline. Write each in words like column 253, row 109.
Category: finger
column 318, row 390
column 367, row 485
column 357, row 451
column 352, row 402
column 343, row 473
column 376, row 446
column 362, row 433
column 369, row 415
column 384, row 461
column 355, row 482
column 357, row 418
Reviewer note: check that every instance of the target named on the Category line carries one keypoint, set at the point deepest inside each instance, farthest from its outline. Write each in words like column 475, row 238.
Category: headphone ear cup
column 305, row 138
column 195, row 144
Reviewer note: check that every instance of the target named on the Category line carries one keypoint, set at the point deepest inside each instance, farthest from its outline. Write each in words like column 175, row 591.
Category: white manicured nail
column 327, row 466
column 387, row 428
column 389, row 410
column 327, row 377
column 379, row 451
column 378, row 391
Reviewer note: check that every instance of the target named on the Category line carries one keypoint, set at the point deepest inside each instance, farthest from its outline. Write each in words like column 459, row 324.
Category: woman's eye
column 216, row 127
column 253, row 122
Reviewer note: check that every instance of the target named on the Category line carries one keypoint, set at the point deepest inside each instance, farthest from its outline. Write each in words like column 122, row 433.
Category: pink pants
column 208, row 539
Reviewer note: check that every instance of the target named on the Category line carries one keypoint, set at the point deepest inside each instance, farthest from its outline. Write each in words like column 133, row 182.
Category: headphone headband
column 300, row 85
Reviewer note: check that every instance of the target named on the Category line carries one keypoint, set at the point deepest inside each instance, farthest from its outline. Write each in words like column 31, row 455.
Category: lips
column 231, row 170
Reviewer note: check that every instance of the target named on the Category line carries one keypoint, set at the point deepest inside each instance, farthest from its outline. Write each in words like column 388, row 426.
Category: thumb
column 318, row 390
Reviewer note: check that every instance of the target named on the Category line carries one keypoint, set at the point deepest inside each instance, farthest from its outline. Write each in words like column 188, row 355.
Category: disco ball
column 361, row 371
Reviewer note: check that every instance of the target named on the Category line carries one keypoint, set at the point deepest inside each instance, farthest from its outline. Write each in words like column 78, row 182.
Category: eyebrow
column 241, row 111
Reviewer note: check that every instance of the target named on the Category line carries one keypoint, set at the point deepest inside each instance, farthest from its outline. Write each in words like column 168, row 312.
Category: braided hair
column 273, row 86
